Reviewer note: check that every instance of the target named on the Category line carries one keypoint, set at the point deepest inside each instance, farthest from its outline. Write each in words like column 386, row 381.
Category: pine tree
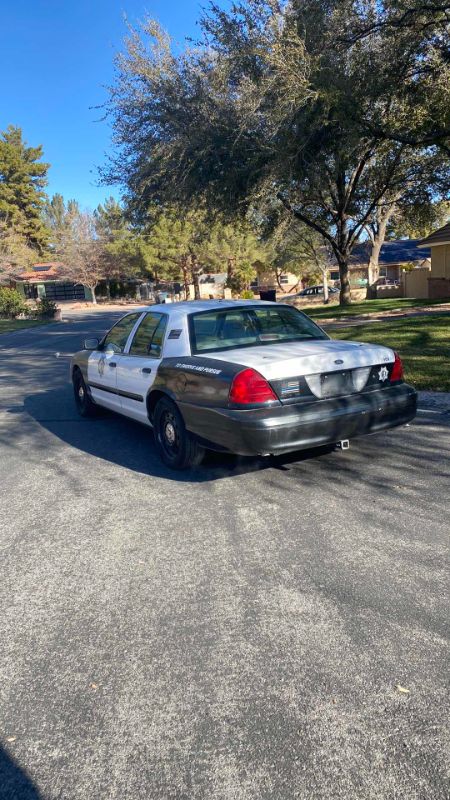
column 58, row 217
column 23, row 177
column 236, row 249
column 175, row 246
column 124, row 247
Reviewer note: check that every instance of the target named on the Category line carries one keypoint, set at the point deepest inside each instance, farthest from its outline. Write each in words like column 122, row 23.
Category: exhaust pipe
column 344, row 444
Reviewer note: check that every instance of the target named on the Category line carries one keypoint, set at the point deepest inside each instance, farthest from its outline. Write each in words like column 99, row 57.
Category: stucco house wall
column 439, row 279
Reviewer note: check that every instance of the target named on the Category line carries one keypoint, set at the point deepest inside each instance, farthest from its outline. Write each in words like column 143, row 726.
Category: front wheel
column 83, row 402
column 176, row 447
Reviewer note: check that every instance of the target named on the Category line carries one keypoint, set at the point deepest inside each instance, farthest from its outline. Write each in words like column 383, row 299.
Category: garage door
column 64, row 291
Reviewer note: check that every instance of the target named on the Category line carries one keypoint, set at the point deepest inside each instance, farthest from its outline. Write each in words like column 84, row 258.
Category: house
column 266, row 279
column 439, row 278
column 212, row 285
column 394, row 258
column 45, row 280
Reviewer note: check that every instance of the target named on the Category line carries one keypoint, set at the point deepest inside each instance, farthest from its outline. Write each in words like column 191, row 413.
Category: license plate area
column 333, row 384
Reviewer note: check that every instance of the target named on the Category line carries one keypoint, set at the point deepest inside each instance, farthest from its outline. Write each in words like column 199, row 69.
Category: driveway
column 243, row 631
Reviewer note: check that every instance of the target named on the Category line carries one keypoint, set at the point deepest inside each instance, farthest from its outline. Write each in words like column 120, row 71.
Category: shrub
column 11, row 303
column 247, row 294
column 46, row 308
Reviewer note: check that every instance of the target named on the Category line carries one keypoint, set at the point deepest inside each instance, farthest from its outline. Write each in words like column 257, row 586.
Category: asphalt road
column 237, row 632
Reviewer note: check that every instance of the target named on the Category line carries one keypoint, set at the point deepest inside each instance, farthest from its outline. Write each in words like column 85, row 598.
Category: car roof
column 191, row 306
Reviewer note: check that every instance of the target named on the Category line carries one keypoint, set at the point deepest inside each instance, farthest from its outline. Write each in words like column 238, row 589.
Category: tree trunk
column 325, row 286
column 230, row 272
column 185, row 271
column 108, row 289
column 342, row 254
column 94, row 299
column 377, row 237
column 195, row 269
column 344, row 295
column 373, row 269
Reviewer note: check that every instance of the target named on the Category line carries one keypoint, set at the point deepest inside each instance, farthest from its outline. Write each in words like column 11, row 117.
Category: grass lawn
column 423, row 344
column 9, row 325
column 368, row 307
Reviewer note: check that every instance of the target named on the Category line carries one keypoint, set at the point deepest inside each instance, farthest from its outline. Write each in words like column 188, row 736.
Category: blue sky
column 55, row 59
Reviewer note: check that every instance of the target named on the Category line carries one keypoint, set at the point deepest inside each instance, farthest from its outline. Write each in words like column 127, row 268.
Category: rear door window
column 149, row 337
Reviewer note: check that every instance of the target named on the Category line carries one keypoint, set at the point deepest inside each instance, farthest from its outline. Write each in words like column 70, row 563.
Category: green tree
column 302, row 251
column 418, row 221
column 415, row 37
column 23, row 177
column 15, row 254
column 124, row 246
column 58, row 216
column 236, row 248
column 176, row 245
column 419, row 179
column 304, row 103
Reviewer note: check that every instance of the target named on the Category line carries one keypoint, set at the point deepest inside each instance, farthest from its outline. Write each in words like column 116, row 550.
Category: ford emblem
column 339, row 361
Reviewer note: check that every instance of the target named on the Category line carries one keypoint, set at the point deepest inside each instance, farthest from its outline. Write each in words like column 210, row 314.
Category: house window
column 383, row 272
column 284, row 279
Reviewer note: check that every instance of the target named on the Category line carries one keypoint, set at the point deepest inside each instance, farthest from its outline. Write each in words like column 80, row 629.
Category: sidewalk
column 435, row 401
column 71, row 309
column 382, row 316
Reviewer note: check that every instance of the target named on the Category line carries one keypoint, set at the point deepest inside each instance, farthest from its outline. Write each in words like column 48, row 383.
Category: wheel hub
column 81, row 392
column 169, row 432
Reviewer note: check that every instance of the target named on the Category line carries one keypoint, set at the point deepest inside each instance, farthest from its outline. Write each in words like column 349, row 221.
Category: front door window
column 117, row 337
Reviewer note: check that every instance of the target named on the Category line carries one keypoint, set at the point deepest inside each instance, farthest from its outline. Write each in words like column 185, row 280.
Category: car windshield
column 249, row 326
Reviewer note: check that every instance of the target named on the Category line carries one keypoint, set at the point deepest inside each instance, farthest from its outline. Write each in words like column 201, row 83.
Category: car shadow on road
column 130, row 445
column 15, row 784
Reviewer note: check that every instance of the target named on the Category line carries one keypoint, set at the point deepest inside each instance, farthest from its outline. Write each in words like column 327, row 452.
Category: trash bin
column 269, row 294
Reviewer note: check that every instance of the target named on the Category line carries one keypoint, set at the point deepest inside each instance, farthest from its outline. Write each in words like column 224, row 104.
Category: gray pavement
column 235, row 632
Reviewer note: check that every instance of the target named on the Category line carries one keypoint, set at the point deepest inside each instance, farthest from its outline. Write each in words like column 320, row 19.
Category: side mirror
column 91, row 344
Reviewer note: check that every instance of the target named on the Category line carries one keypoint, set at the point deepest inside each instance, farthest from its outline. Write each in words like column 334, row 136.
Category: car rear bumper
column 287, row 428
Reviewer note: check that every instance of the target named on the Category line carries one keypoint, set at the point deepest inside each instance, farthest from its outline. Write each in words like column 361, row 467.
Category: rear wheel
column 176, row 447
column 83, row 402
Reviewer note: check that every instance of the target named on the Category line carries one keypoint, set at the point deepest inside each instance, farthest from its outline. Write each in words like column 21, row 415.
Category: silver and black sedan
column 247, row 377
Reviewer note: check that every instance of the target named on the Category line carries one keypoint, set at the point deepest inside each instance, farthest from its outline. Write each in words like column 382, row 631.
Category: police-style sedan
column 247, row 377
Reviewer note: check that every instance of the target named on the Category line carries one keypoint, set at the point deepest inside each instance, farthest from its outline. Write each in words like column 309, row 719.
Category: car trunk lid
column 292, row 359
column 318, row 368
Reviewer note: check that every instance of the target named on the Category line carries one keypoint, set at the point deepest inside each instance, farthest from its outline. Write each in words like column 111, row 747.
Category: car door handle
column 146, row 370
column 112, row 364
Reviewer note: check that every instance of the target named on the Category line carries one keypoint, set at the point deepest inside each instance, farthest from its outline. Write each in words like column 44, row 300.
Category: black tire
column 83, row 402
column 176, row 447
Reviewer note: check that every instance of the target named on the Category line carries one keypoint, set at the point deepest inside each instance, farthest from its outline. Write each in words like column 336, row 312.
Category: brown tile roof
column 45, row 271
column 441, row 236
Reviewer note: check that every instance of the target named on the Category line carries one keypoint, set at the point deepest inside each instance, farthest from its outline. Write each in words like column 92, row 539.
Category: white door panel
column 103, row 363
column 102, row 378
column 135, row 376
column 138, row 366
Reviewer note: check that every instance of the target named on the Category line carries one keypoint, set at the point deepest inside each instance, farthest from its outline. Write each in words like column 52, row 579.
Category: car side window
column 149, row 337
column 117, row 337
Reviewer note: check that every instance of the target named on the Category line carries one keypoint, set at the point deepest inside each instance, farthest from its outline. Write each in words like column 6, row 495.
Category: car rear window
column 249, row 326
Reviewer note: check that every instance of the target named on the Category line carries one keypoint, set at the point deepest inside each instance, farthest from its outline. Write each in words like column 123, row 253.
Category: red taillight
column 250, row 387
column 397, row 369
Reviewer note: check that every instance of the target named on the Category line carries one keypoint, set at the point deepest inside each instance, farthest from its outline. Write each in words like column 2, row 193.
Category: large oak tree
column 315, row 104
